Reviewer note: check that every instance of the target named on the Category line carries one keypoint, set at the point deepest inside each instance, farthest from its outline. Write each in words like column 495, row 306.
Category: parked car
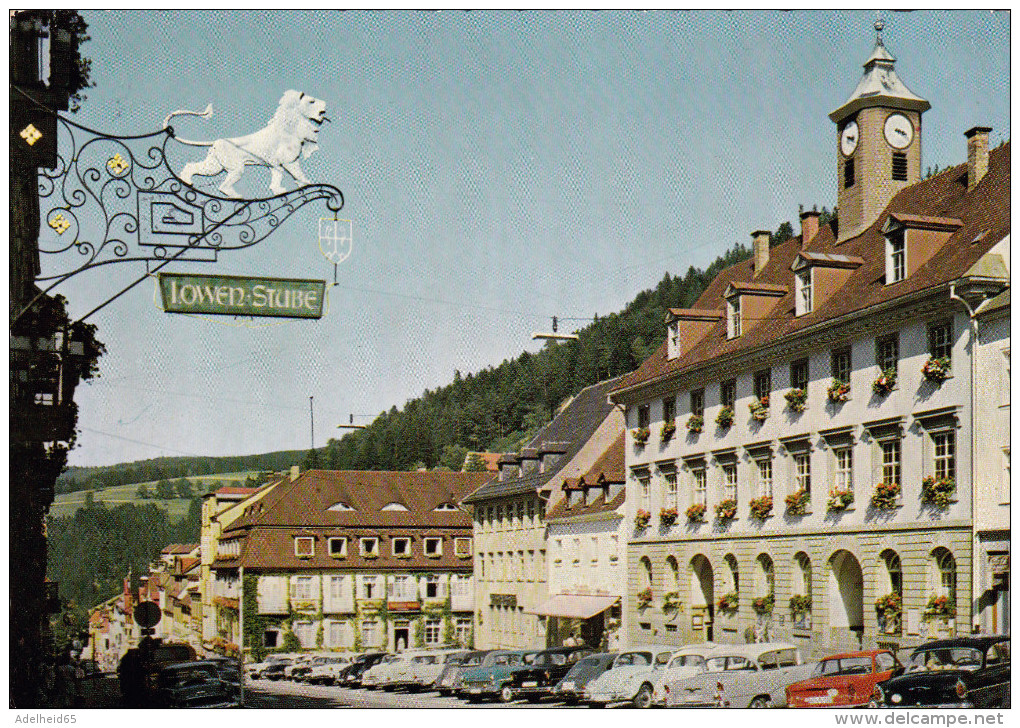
column 425, row 669
column 351, row 676
column 536, row 680
column 324, row 669
column 255, row 669
column 374, row 676
column 571, row 687
column 844, row 681
column 140, row 665
column 742, row 676
column 685, row 662
column 194, row 684
column 397, row 671
column 449, row 681
column 229, row 669
column 629, row 677
column 495, row 681
column 963, row 672
column 276, row 670
column 299, row 666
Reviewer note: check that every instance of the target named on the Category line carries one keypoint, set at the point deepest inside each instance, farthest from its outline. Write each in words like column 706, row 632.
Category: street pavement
column 286, row 694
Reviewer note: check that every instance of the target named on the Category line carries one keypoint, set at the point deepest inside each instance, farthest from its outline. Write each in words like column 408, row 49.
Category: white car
column 742, row 676
column 631, row 678
column 324, row 669
column 426, row 668
column 685, row 662
column 254, row 670
column 374, row 675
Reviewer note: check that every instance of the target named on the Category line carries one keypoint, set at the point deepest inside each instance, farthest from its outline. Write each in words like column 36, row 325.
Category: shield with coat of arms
column 335, row 239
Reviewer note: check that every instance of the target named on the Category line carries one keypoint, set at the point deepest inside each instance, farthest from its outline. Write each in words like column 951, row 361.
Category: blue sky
column 499, row 169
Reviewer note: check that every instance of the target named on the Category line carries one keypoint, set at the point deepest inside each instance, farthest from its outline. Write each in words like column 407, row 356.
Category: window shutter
column 347, row 594
column 443, row 578
column 389, row 587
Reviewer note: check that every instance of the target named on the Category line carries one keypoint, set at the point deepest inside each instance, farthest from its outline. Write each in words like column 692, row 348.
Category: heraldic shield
column 335, row 239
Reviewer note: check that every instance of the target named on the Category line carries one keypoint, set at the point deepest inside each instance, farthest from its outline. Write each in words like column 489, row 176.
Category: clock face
column 899, row 132
column 848, row 138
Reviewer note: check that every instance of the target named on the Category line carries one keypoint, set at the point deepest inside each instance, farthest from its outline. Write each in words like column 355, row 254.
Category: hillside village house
column 509, row 520
column 834, row 451
column 345, row 560
column 587, row 537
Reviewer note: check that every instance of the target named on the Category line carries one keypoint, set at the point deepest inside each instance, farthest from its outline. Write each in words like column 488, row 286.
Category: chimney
column 808, row 225
column 295, row 471
column 977, row 155
column 761, row 249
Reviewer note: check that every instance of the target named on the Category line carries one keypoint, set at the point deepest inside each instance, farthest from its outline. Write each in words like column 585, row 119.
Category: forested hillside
column 146, row 471
column 501, row 407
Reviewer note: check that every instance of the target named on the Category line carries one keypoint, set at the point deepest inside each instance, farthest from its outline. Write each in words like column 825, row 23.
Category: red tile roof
column 609, row 468
column 179, row 548
column 491, row 460
column 985, row 216
column 235, row 490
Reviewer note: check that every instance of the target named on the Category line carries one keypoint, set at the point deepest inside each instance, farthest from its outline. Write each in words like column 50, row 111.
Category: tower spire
column 879, row 25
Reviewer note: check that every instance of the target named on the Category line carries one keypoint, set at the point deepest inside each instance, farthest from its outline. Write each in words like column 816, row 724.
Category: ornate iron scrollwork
column 115, row 199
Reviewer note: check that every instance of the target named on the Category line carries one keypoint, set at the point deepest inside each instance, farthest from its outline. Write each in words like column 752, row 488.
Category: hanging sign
column 241, row 295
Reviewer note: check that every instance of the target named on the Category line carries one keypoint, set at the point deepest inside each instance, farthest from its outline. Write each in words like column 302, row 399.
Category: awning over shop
column 574, row 606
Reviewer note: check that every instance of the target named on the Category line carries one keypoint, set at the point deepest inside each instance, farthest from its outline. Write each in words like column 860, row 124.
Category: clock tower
column 878, row 142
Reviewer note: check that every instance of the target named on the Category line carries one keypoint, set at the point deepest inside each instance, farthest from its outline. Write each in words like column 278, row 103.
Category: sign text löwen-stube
column 241, row 295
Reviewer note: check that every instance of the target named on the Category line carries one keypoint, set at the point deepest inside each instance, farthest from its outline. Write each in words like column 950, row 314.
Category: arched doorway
column 846, row 600
column 702, row 597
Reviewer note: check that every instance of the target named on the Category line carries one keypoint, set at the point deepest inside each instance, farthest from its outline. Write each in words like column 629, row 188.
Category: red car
column 844, row 681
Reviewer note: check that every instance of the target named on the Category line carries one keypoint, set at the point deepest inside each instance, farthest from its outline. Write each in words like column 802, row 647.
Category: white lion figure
column 293, row 129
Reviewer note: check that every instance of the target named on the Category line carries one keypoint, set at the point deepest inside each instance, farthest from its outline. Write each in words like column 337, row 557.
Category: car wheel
column 506, row 694
column 643, row 699
column 760, row 702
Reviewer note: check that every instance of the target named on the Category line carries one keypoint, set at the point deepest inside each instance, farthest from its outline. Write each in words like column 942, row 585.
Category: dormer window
column 895, row 257
column 338, row 547
column 733, row 328
column 340, row 507
column 369, row 546
column 394, row 506
column 446, row 507
column 804, row 295
column 401, row 547
column 304, row 546
column 673, row 340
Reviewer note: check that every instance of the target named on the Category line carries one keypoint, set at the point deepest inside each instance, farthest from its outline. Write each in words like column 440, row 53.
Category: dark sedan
column 449, row 681
column 571, row 687
column 192, row 685
column 350, row 676
column 964, row 672
column 537, row 680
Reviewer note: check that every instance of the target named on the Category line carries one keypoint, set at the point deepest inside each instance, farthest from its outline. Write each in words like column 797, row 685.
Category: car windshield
column 634, row 658
column 945, row 658
column 550, row 658
column 687, row 661
column 473, row 660
column 843, row 666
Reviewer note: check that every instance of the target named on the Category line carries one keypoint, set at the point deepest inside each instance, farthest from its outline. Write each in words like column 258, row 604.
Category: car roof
column 983, row 642
column 650, row 648
column 859, row 653
column 752, row 650
column 564, row 650
column 189, row 663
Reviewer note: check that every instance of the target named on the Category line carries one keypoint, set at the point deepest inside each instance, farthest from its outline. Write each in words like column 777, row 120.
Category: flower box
column 696, row 513
column 800, row 604
column 885, row 383
column 889, row 610
column 759, row 408
column 839, row 391
column 796, row 400
column 695, row 423
column 797, row 502
column 671, row 602
column 725, row 417
column 641, row 435
column 761, row 507
column 937, row 492
column 668, row 430
column 763, row 605
column 937, row 369
column 667, row 516
column 641, row 518
column 885, row 496
column 840, row 500
column 726, row 510
column 939, row 608
column 728, row 603
column 644, row 598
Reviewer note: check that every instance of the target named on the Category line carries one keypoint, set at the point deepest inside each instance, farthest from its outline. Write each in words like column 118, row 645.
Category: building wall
column 322, row 618
column 916, row 408
column 992, row 487
column 590, row 557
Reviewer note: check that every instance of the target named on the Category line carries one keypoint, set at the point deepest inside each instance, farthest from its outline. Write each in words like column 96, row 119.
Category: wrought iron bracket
column 115, row 199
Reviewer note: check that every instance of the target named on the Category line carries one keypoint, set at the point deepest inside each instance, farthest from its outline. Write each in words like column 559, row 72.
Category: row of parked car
column 962, row 672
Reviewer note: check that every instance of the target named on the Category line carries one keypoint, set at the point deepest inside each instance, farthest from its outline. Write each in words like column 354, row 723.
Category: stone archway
column 846, row 600
column 702, row 597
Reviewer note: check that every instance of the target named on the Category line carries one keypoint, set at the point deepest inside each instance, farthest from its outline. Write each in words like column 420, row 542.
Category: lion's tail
column 183, row 112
